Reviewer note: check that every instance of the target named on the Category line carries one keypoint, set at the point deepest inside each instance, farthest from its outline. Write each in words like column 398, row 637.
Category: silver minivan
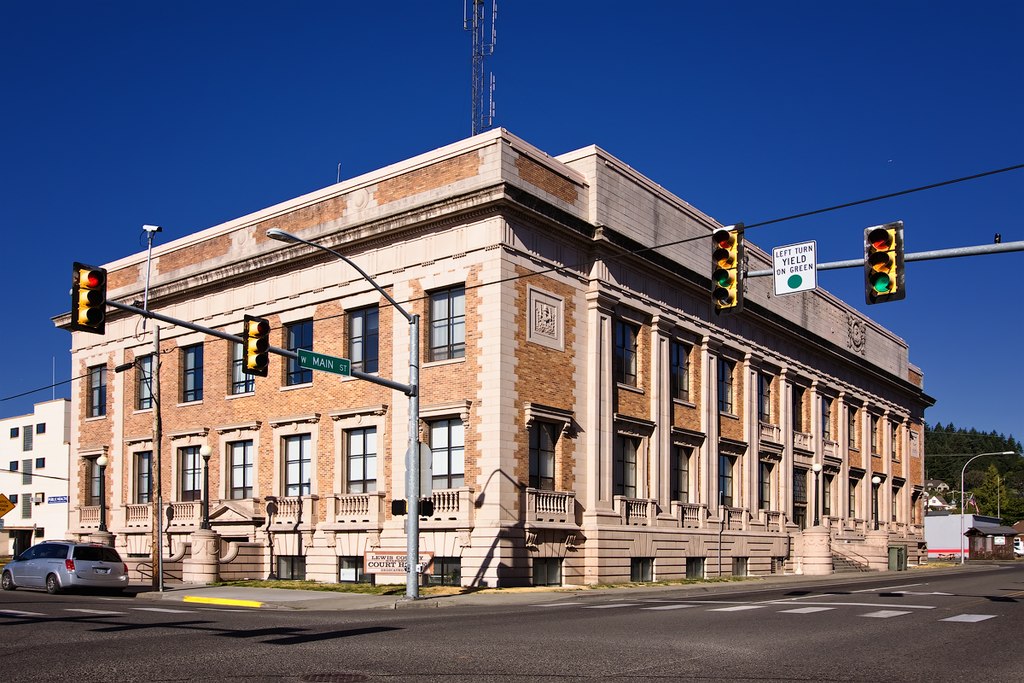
column 58, row 565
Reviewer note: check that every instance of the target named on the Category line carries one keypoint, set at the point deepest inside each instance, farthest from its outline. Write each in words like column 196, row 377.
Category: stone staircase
column 846, row 565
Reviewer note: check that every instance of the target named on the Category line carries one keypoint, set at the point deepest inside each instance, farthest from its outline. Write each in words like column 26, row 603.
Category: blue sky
column 187, row 114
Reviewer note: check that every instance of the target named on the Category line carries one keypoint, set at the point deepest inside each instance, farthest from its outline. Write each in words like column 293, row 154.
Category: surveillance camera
column 152, row 228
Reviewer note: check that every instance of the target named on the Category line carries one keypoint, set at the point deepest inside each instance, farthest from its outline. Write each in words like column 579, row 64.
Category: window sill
column 95, row 418
column 140, row 411
column 241, row 395
column 186, row 404
column 292, row 387
column 683, row 403
column 449, row 361
column 629, row 387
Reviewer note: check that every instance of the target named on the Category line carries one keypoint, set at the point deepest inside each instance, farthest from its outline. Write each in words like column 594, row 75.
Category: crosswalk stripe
column 612, row 606
column 668, row 607
column 163, row 609
column 970, row 618
column 96, row 611
column 885, row 613
column 737, row 608
column 19, row 613
column 807, row 610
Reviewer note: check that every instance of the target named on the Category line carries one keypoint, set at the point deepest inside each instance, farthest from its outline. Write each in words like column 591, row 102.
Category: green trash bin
column 894, row 558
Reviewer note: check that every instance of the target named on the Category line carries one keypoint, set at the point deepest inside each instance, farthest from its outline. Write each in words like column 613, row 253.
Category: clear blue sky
column 187, row 114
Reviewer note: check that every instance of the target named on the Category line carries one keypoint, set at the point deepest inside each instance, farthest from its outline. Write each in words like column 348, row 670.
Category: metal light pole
column 963, row 473
column 875, row 481
column 205, row 452
column 412, row 464
column 817, row 470
column 101, row 462
column 271, row 511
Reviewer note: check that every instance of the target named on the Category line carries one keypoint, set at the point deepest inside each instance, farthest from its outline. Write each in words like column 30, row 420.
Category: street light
column 271, row 511
column 205, row 452
column 817, row 470
column 101, row 462
column 875, row 481
column 412, row 464
column 963, row 472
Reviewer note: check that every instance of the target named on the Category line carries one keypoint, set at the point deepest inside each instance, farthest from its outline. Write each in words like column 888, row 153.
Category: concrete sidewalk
column 282, row 598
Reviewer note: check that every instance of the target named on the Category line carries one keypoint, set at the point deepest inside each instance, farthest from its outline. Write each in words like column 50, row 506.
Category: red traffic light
column 883, row 263
column 726, row 269
column 88, row 298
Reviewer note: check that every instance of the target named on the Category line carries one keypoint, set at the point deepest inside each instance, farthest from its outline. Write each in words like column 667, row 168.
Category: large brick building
column 589, row 418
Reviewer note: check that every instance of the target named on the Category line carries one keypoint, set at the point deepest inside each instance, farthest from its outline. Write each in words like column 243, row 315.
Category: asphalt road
column 910, row 627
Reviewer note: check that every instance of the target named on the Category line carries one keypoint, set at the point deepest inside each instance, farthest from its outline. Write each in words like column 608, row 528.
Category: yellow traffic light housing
column 727, row 269
column 256, row 346
column 88, row 299
column 883, row 263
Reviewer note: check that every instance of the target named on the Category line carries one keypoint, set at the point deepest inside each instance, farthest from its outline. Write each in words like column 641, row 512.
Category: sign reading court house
column 393, row 562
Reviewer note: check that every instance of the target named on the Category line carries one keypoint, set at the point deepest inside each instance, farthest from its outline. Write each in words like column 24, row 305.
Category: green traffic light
column 881, row 283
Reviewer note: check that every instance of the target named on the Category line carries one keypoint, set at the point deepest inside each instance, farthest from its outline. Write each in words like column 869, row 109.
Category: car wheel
column 52, row 584
column 7, row 582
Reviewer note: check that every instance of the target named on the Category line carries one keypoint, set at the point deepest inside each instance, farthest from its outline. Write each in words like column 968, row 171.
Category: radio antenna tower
column 474, row 18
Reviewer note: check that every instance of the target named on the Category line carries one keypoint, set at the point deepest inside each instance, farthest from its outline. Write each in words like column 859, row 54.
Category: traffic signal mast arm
column 933, row 255
column 383, row 381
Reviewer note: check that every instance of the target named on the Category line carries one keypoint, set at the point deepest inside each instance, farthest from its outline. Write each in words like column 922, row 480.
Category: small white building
column 34, row 455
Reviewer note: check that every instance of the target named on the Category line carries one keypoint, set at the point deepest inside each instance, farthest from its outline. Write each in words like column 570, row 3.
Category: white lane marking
column 96, row 611
column 807, row 610
column 922, row 593
column 162, row 609
column 737, row 608
column 970, row 618
column 19, row 613
column 885, row 613
column 890, row 589
column 612, row 606
column 854, row 604
column 555, row 604
column 669, row 607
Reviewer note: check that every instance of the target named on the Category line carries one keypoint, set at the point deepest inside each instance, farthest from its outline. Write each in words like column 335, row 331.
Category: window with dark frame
column 143, row 476
column 624, row 465
column 363, row 337
column 26, row 471
column 895, row 500
column 298, row 335
column 680, row 473
column 190, row 466
column 852, row 499
column 543, row 436
column 192, row 373
column 800, row 497
column 448, row 454
column 97, row 388
column 15, row 431
column 41, row 428
column 547, row 571
column 241, row 383
column 726, row 463
column 726, row 371
column 624, row 359
column 27, row 438
column 240, row 454
column 144, row 382
column 798, row 409
column 92, row 497
column 874, row 435
column 361, row 445
column 40, row 463
column 679, row 370
column 764, row 485
column 851, row 426
column 894, row 433
column 764, row 397
column 297, row 475
column 826, row 418
column 448, row 324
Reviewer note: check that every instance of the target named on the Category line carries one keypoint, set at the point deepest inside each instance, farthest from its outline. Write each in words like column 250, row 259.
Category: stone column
column 103, row 537
column 203, row 564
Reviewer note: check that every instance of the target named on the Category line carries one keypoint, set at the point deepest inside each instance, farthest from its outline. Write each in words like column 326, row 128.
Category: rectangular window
column 798, row 409
column 362, row 339
column 764, row 397
column 800, row 485
column 764, row 485
column 826, row 418
column 299, row 336
column 41, row 428
column 680, row 473
column 350, row 570
column 547, row 571
column 852, row 502
column 291, row 567
column 543, row 436
column 297, row 481
column 826, row 495
column 190, row 465
column 679, row 370
column 851, row 427
column 92, row 497
column 624, row 359
column 26, row 471
column 40, row 463
column 144, row 382
column 240, row 453
column 14, row 466
column 624, row 467
column 641, row 569
column 447, row 571
column 26, row 507
column 143, row 476
column 725, row 479
column 895, row 501
column 97, row 403
column 894, row 433
column 874, row 435
column 726, row 370
column 241, row 383
column 362, row 460
column 448, row 454
column 695, row 567
column 14, row 432
column 27, row 438
column 192, row 373
column 448, row 324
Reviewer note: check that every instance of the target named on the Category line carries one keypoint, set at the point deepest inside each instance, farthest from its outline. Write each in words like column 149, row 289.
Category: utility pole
column 158, row 517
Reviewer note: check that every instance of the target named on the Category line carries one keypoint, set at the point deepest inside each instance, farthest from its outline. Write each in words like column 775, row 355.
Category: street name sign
column 5, row 505
column 319, row 361
column 794, row 268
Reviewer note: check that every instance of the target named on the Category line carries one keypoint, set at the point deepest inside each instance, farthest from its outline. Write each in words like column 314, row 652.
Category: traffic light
column 426, row 507
column 88, row 298
column 727, row 269
column 883, row 263
column 399, row 507
column 256, row 345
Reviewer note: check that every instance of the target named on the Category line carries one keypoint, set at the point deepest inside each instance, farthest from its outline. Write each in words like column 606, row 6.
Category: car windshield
column 96, row 554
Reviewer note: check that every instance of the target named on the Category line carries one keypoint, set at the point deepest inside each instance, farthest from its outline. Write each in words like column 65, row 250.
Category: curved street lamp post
column 963, row 472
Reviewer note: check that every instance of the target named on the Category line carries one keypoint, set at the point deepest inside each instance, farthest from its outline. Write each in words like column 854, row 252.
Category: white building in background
column 34, row 452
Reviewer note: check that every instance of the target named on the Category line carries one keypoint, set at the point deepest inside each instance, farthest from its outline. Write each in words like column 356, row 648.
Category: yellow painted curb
column 222, row 601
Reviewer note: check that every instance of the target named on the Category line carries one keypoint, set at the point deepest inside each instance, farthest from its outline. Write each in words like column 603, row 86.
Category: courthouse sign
column 393, row 562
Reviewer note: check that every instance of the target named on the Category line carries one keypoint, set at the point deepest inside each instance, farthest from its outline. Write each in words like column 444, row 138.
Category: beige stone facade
column 562, row 449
